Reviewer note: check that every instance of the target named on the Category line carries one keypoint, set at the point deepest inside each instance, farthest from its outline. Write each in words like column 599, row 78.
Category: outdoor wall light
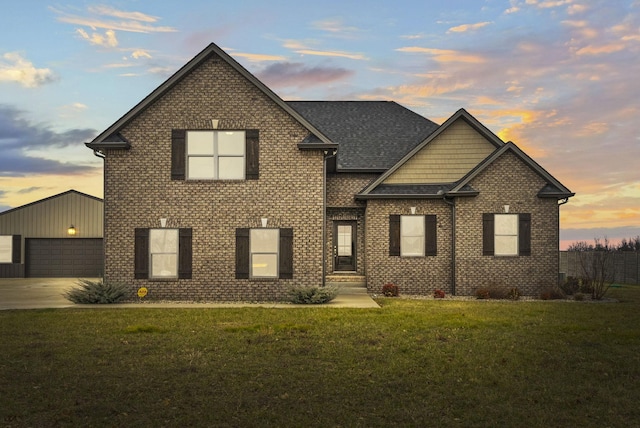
column 71, row 231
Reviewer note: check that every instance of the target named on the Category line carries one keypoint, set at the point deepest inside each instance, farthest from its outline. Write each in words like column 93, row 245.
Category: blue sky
column 557, row 77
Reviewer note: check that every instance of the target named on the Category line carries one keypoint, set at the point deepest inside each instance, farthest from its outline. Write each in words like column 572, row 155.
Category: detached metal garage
column 56, row 237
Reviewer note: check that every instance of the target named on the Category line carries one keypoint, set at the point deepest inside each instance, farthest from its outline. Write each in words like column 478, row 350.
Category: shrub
column 500, row 293
column 514, row 293
column 552, row 293
column 438, row 294
column 578, row 297
column 390, row 290
column 482, row 293
column 90, row 292
column 312, row 295
column 570, row 286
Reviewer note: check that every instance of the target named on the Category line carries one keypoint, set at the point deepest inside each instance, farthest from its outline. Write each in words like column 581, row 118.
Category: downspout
column 452, row 203
column 564, row 201
column 326, row 155
column 99, row 154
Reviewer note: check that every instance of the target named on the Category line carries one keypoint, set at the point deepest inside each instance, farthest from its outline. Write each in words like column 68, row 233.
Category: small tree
column 596, row 263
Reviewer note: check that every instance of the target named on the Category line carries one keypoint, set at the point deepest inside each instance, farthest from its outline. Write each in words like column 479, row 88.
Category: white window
column 6, row 248
column 215, row 155
column 412, row 236
column 506, row 234
column 163, row 248
column 263, row 250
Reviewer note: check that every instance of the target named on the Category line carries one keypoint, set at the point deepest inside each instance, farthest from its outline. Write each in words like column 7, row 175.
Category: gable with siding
column 446, row 159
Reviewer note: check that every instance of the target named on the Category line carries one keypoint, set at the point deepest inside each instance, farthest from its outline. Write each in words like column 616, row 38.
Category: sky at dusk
column 559, row 78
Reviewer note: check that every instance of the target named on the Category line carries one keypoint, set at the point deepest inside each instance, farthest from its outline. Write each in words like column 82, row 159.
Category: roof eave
column 463, row 193
column 556, row 195
column 317, row 146
column 364, row 196
column 124, row 145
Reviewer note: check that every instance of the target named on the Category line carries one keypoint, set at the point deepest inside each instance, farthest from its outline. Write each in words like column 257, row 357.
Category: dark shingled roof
column 372, row 135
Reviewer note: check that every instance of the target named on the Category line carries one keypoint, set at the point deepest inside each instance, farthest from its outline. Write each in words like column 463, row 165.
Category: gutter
column 452, row 203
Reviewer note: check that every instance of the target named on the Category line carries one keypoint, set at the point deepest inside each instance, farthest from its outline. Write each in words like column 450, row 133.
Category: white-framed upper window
column 264, row 247
column 506, row 234
column 163, row 253
column 412, row 235
column 6, row 248
column 215, row 155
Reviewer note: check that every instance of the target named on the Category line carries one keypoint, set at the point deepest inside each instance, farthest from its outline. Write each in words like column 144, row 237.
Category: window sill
column 212, row 180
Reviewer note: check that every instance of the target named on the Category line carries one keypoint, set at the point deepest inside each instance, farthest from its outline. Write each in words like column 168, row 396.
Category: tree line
column 631, row 244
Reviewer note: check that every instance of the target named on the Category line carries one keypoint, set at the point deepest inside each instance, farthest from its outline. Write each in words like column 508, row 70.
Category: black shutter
column 524, row 235
column 285, row 261
column 394, row 235
column 184, row 253
column 431, row 235
column 178, row 154
column 488, row 235
column 16, row 249
column 242, row 253
column 141, row 257
column 252, row 150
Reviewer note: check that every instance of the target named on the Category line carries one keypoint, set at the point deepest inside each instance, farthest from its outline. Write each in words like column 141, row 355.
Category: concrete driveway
column 34, row 293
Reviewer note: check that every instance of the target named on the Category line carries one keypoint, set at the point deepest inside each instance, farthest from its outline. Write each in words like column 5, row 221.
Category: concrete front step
column 347, row 288
column 346, row 278
column 352, row 290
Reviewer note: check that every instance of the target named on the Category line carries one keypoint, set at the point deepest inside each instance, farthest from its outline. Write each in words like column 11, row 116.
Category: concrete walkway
column 42, row 293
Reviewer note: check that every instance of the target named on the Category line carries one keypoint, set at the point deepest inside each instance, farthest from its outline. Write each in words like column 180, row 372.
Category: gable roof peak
column 561, row 192
column 109, row 139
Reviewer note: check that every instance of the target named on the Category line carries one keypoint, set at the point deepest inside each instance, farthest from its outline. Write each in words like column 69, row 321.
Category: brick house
column 217, row 189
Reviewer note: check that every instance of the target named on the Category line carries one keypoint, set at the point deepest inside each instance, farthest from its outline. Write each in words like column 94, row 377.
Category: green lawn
column 410, row 363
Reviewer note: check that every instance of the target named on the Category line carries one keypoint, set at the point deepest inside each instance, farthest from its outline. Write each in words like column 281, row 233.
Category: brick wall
column 507, row 182
column 342, row 187
column 414, row 275
column 139, row 190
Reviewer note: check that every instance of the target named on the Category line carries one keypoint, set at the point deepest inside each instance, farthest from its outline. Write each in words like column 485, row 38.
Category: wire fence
column 625, row 266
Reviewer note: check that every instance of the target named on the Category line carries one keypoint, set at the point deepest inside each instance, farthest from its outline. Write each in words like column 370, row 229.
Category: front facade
column 216, row 189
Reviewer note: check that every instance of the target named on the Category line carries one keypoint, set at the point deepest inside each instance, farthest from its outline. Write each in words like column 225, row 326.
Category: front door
column 344, row 245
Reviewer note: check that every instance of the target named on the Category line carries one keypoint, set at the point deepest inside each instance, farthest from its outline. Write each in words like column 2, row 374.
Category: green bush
column 89, row 292
column 390, row 290
column 312, row 295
